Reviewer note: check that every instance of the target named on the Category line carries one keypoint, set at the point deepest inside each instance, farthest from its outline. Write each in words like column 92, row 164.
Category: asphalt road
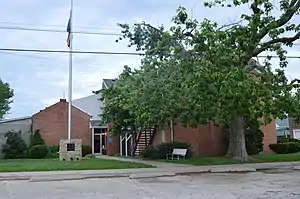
column 272, row 184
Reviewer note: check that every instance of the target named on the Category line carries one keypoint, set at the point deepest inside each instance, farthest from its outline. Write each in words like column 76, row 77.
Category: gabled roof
column 60, row 101
column 108, row 82
column 15, row 119
column 282, row 124
column 90, row 105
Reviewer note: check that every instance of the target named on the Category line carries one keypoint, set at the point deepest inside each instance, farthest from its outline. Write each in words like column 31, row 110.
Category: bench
column 177, row 153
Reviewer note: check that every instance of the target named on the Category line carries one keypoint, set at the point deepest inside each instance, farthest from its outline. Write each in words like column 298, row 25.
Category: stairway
column 143, row 139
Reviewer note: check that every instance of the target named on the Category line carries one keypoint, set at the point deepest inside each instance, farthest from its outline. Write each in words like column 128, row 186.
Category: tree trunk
column 237, row 146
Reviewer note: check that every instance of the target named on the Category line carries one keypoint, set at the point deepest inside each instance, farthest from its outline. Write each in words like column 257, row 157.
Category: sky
column 41, row 79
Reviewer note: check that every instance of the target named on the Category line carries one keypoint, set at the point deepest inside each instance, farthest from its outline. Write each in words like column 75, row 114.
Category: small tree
column 36, row 139
column 5, row 98
column 15, row 146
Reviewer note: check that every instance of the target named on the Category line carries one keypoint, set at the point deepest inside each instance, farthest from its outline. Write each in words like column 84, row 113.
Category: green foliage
column 90, row 156
column 53, row 151
column 86, row 149
column 150, row 152
column 199, row 71
column 253, row 136
column 283, row 140
column 36, row 139
column 167, row 148
column 160, row 151
column 38, row 151
column 285, row 148
column 15, row 146
column 6, row 93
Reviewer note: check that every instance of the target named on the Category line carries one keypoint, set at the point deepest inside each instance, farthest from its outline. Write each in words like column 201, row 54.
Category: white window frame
column 294, row 132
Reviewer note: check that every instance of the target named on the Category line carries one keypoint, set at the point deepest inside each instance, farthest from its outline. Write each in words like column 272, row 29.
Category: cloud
column 41, row 79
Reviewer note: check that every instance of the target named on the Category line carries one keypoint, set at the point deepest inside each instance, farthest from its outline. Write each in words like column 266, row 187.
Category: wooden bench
column 177, row 154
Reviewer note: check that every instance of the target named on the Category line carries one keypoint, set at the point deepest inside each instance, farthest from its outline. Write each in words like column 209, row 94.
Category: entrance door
column 97, row 143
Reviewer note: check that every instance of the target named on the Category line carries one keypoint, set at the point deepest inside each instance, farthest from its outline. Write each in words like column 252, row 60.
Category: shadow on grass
column 223, row 160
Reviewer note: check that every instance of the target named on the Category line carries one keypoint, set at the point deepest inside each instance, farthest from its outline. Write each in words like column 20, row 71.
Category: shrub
column 15, row 146
column 90, row 156
column 285, row 148
column 38, row 151
column 253, row 136
column 283, row 140
column 36, row 139
column 86, row 149
column 150, row 152
column 53, row 151
column 163, row 149
column 167, row 148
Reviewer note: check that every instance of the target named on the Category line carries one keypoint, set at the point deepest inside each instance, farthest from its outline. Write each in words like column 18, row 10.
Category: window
column 297, row 134
column 71, row 147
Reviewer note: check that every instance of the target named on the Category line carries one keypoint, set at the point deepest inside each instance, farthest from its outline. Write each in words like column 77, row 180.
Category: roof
column 15, row 119
column 90, row 105
column 108, row 82
column 282, row 124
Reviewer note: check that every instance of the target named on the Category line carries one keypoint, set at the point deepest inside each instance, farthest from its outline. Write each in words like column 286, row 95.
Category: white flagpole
column 70, row 74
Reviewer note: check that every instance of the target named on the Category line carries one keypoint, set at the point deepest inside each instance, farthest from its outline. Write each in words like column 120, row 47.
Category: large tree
column 199, row 72
column 5, row 98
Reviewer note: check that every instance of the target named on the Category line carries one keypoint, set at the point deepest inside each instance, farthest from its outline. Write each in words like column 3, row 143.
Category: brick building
column 294, row 128
column 207, row 140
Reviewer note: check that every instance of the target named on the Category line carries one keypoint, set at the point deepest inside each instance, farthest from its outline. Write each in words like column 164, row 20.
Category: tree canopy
column 197, row 72
column 5, row 98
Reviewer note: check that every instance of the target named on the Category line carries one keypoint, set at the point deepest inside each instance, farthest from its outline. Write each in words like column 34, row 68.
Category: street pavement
column 274, row 184
column 162, row 170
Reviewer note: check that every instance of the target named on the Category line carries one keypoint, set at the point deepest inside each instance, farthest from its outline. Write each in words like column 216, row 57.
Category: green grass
column 254, row 159
column 20, row 165
column 276, row 158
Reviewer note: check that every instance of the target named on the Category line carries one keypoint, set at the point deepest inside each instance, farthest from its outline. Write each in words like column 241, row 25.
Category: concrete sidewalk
column 143, row 172
column 156, row 164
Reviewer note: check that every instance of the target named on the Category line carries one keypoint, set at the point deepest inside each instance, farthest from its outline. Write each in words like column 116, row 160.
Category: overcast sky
column 41, row 79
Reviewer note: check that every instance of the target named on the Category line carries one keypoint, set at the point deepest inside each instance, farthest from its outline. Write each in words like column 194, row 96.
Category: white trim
column 294, row 130
column 100, row 127
column 104, row 84
column 15, row 119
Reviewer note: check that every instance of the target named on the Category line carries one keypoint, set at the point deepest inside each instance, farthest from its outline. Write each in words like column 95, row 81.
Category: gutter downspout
column 172, row 130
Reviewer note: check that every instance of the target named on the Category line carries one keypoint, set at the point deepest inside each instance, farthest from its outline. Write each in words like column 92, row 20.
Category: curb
column 139, row 174
column 151, row 175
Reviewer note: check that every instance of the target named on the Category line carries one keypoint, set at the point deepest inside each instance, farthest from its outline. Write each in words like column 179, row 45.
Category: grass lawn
column 19, row 165
column 254, row 159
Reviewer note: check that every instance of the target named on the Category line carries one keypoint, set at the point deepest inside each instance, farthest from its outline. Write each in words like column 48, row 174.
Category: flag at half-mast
column 69, row 32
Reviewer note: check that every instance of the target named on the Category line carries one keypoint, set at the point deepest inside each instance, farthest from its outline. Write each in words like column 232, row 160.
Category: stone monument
column 70, row 150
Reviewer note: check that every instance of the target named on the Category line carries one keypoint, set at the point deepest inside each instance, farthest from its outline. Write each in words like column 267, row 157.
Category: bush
column 167, row 148
column 53, row 151
column 90, row 156
column 38, row 151
column 150, row 152
column 253, row 136
column 36, row 139
column 15, row 146
column 163, row 149
column 86, row 149
column 284, row 140
column 285, row 148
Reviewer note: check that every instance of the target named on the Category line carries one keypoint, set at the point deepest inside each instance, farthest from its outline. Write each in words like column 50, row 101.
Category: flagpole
column 70, row 73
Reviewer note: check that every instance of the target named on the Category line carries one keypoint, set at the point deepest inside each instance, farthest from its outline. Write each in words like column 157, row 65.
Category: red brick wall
column 269, row 135
column 209, row 140
column 53, row 124
column 113, row 147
